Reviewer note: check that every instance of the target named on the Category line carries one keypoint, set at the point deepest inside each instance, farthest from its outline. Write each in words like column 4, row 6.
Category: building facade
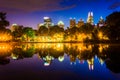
column 90, row 18
column 72, row 22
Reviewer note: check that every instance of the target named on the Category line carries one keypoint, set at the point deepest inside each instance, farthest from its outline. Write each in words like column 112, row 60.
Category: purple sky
column 31, row 12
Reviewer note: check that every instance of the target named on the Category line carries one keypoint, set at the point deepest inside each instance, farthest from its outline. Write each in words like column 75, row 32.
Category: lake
column 59, row 61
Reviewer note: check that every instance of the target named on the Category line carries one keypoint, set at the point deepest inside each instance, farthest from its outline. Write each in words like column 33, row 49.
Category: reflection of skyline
column 50, row 51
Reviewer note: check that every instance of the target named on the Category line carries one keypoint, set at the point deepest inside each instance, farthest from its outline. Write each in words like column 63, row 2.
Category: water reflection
column 48, row 52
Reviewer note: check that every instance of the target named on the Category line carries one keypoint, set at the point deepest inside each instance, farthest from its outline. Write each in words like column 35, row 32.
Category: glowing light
column 46, row 64
column 100, row 35
column 91, row 64
column 5, row 48
column 5, row 37
column 46, row 17
column 61, row 58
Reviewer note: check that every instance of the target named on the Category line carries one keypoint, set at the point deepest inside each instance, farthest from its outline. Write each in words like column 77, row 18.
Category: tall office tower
column 47, row 22
column 80, row 23
column 72, row 23
column 90, row 18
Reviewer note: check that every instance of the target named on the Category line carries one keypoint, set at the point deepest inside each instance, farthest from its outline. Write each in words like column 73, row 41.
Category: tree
column 28, row 33
column 55, row 30
column 113, row 25
column 86, row 28
column 18, row 32
column 43, row 31
column 3, row 21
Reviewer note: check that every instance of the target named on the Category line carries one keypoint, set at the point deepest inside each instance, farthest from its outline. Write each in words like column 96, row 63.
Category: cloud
column 36, row 5
column 114, row 5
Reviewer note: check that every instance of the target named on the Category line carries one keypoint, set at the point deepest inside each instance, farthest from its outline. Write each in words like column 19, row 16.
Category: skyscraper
column 80, row 23
column 72, row 22
column 47, row 22
column 90, row 18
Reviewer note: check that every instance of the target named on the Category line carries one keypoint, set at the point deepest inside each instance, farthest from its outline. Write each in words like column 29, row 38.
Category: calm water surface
column 59, row 61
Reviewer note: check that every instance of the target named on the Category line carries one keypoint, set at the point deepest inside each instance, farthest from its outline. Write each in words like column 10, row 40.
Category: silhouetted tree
column 3, row 21
column 113, row 25
column 86, row 28
column 113, row 61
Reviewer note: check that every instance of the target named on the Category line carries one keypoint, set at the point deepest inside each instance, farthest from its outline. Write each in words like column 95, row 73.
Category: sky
column 30, row 13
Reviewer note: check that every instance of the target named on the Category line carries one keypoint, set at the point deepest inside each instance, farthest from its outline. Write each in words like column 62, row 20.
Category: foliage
column 18, row 32
column 42, row 31
column 113, row 26
column 3, row 21
column 55, row 30
column 28, row 32
column 86, row 28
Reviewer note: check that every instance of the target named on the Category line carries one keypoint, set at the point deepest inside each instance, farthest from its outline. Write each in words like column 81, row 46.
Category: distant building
column 72, row 22
column 61, row 24
column 101, row 22
column 47, row 22
column 80, row 23
column 15, row 27
column 90, row 18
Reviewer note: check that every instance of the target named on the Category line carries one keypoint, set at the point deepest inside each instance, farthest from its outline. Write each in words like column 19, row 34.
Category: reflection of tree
column 17, row 53
column 49, row 52
column 73, row 54
column 86, row 55
column 113, row 61
column 29, row 53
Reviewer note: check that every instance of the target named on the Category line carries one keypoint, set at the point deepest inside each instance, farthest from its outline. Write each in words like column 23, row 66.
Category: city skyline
column 32, row 14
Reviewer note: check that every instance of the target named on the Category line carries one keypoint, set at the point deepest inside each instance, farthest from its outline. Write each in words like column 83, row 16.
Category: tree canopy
column 113, row 25
column 3, row 22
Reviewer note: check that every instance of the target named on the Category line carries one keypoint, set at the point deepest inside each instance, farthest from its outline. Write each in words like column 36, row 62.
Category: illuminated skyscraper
column 80, row 23
column 47, row 22
column 72, row 22
column 90, row 18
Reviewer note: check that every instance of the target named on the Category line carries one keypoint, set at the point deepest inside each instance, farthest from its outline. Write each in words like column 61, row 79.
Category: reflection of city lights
column 5, row 48
column 81, row 61
column 91, row 63
column 14, row 56
column 61, row 58
column 46, row 63
column 101, row 61
column 75, row 51
column 101, row 47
